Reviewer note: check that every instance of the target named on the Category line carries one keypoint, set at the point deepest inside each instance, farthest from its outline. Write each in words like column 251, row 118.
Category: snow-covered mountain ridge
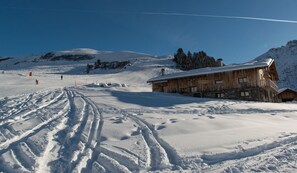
column 74, row 62
column 82, row 55
column 73, row 57
column 286, row 63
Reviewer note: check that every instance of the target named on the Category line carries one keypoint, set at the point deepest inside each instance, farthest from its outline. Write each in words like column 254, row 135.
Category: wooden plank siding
column 288, row 95
column 231, row 84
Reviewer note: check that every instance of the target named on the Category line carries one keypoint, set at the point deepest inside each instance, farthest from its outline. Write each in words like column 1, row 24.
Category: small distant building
column 287, row 94
column 253, row 80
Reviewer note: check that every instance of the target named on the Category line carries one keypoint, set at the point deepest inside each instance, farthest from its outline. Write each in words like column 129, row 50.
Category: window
column 191, row 82
column 218, row 82
column 242, row 80
column 220, row 95
column 193, row 89
column 244, row 94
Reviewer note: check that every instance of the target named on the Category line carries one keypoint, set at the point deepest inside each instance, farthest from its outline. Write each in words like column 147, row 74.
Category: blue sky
column 234, row 30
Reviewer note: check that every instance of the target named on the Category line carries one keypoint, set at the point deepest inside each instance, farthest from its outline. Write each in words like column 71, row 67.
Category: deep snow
column 76, row 125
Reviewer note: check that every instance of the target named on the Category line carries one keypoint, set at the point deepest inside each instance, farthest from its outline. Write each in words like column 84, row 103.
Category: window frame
column 193, row 89
column 220, row 95
column 218, row 82
column 244, row 93
column 242, row 80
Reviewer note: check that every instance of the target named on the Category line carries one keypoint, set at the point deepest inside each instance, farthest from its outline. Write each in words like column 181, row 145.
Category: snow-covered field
column 81, row 124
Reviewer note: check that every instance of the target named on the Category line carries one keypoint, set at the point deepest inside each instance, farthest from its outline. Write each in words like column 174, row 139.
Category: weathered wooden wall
column 288, row 95
column 208, row 82
column 206, row 86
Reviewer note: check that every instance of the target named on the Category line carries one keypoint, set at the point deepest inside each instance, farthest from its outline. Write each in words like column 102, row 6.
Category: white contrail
column 164, row 14
column 226, row 17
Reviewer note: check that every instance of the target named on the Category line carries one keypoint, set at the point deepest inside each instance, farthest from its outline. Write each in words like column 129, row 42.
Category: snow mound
column 107, row 85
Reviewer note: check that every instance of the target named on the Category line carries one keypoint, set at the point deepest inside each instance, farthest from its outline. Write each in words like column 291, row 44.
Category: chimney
column 220, row 62
column 162, row 71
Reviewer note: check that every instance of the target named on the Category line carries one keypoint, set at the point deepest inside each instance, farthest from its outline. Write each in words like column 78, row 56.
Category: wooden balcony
column 268, row 83
column 265, row 83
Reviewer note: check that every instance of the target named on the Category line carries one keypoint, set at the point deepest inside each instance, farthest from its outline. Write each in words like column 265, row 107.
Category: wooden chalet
column 287, row 94
column 253, row 80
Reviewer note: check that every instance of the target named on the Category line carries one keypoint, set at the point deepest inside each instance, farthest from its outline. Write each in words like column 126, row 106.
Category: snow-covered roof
column 212, row 70
column 284, row 89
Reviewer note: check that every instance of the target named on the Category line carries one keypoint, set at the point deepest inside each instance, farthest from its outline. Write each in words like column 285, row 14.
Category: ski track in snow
column 60, row 131
column 159, row 151
column 81, row 139
column 17, row 134
column 21, row 107
column 279, row 158
column 160, row 155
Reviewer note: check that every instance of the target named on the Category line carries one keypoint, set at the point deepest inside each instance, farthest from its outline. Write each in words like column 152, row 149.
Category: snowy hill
column 286, row 63
column 67, row 57
column 74, row 62
column 110, row 121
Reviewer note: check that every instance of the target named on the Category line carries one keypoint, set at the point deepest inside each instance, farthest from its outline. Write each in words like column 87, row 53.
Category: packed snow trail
column 62, row 130
column 160, row 154
column 31, row 119
column 159, row 150
column 79, row 138
column 87, row 136
column 97, row 155
column 281, row 158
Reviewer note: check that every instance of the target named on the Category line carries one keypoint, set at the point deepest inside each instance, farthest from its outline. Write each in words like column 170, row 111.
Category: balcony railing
column 214, row 87
column 268, row 83
column 264, row 83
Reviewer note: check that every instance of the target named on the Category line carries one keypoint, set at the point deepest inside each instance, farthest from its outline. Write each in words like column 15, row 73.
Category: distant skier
column 61, row 77
column 36, row 82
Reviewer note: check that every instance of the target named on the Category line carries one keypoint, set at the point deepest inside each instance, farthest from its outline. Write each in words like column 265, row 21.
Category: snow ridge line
column 5, row 168
column 159, row 157
column 21, row 101
column 96, row 135
column 173, row 157
column 130, row 153
column 19, row 105
column 37, row 128
column 92, row 141
column 46, row 158
column 71, row 151
column 123, row 160
column 3, row 101
column 24, row 156
column 236, row 155
column 44, row 94
column 172, row 154
column 17, row 161
column 76, row 124
column 111, row 165
column 158, row 144
column 111, row 162
column 11, row 119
